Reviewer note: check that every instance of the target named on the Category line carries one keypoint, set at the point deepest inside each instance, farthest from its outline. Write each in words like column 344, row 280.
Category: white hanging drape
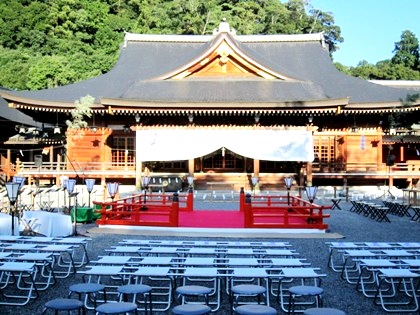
column 262, row 144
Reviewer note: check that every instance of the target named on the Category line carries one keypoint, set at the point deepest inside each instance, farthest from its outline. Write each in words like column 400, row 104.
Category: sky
column 370, row 28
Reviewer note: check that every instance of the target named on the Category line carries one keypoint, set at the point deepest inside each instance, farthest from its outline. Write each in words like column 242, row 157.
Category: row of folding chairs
column 206, row 243
column 336, row 250
column 371, row 209
column 29, row 265
column 387, row 272
column 79, row 245
column 218, row 266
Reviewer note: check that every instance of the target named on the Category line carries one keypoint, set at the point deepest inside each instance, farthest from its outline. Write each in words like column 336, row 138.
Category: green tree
column 404, row 65
column 82, row 108
column 407, row 51
column 15, row 65
column 56, row 42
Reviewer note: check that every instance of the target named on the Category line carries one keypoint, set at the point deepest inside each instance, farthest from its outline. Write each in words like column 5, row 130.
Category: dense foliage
column 404, row 65
column 48, row 43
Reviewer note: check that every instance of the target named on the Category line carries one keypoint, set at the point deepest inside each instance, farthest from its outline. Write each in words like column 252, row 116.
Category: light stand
column 190, row 196
column 63, row 183
column 112, row 189
column 90, row 182
column 288, row 181
column 311, row 193
column 70, row 184
column 12, row 193
column 254, row 181
column 190, row 180
column 145, row 182
column 21, row 181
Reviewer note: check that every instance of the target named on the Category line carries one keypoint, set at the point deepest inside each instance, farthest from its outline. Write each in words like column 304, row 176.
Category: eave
column 16, row 101
column 386, row 107
column 236, row 108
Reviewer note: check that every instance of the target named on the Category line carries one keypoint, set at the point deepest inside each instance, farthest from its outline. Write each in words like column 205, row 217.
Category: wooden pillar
column 139, row 164
column 58, row 168
column 257, row 173
column 8, row 164
column 309, row 173
column 379, row 156
column 191, row 167
column 390, row 177
column 256, row 167
column 103, row 186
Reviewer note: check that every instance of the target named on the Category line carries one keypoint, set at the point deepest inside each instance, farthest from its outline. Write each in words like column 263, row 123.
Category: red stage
column 212, row 219
column 177, row 211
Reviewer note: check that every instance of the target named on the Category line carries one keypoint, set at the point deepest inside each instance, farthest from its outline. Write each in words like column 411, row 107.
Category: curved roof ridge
column 135, row 37
column 313, row 37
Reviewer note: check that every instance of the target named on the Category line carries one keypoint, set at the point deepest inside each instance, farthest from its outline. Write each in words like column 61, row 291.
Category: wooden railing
column 282, row 212
column 145, row 210
column 135, row 211
column 78, row 166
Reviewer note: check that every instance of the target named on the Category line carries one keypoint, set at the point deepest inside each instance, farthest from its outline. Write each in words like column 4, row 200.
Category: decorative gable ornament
column 224, row 27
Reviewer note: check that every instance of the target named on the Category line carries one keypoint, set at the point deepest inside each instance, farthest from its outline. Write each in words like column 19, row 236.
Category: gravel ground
column 338, row 293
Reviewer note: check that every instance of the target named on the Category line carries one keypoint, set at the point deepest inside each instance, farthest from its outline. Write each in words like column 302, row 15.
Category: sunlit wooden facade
column 220, row 81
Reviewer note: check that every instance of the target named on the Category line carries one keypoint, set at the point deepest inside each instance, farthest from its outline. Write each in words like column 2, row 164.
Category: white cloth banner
column 185, row 144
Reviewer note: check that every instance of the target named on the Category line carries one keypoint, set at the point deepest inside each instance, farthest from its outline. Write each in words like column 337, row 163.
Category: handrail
column 135, row 210
column 57, row 168
column 289, row 211
column 79, row 166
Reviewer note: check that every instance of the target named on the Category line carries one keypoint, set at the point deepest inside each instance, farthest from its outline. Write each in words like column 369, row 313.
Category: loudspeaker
column 390, row 160
column 38, row 160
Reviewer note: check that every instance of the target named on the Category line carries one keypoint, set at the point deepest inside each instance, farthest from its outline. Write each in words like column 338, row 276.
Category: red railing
column 282, row 212
column 145, row 210
column 259, row 211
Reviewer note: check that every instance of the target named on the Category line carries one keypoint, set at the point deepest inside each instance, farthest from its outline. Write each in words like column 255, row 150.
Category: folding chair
column 290, row 277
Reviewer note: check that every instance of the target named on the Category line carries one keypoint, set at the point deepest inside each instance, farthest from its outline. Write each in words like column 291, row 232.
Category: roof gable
column 224, row 58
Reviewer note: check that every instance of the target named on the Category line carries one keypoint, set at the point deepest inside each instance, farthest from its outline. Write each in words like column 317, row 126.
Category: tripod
column 386, row 190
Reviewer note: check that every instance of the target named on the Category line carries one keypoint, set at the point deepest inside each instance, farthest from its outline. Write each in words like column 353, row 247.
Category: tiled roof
column 144, row 58
column 389, row 139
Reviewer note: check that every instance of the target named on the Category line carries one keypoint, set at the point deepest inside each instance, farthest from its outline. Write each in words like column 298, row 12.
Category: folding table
column 397, row 291
column 336, row 249
column 336, row 203
column 45, row 275
column 63, row 263
column 125, row 250
column 368, row 269
column 77, row 243
column 20, row 276
column 351, row 273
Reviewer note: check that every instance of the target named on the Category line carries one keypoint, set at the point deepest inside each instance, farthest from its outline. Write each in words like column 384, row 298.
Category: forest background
column 49, row 43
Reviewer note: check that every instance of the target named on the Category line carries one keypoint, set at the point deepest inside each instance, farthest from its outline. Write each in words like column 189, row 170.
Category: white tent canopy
column 174, row 144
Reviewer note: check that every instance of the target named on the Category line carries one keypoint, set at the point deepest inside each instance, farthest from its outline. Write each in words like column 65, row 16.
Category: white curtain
column 186, row 143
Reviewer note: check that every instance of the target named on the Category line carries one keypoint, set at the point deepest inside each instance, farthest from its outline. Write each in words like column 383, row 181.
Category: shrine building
column 220, row 107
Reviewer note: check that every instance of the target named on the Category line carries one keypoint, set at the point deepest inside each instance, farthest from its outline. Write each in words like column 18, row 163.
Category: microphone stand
column 75, row 233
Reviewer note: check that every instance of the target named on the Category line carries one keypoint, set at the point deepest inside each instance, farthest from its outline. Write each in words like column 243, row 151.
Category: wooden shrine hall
column 219, row 107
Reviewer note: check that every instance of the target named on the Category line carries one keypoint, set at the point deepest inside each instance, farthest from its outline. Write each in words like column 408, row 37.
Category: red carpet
column 211, row 219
